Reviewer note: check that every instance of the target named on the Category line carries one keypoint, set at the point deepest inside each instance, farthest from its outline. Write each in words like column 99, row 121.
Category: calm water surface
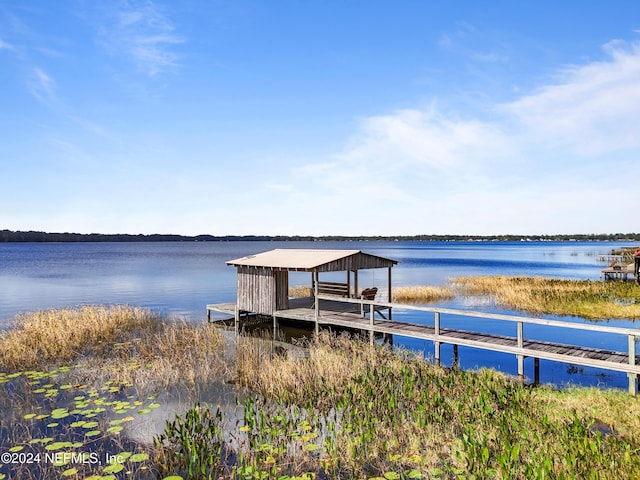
column 180, row 278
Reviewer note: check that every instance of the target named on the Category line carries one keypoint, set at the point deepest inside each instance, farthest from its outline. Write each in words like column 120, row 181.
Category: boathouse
column 263, row 289
column 263, row 279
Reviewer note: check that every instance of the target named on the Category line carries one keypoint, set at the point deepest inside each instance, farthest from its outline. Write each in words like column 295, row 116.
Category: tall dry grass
column 583, row 298
column 300, row 291
column 331, row 363
column 422, row 294
column 41, row 337
column 115, row 343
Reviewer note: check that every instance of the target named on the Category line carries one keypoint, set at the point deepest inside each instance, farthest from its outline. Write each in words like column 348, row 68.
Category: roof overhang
column 312, row 260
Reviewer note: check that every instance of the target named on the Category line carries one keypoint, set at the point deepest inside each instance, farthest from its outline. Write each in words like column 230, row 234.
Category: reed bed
column 422, row 294
column 583, row 298
column 42, row 337
column 300, row 291
column 118, row 343
column 350, row 410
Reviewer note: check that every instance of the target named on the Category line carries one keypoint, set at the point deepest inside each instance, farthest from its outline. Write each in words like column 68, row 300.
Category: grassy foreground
column 341, row 409
column 352, row 411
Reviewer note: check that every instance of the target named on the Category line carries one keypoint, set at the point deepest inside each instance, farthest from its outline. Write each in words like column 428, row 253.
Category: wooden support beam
column 633, row 377
column 237, row 321
column 371, row 314
column 436, row 342
column 317, row 300
column 520, row 356
column 456, row 359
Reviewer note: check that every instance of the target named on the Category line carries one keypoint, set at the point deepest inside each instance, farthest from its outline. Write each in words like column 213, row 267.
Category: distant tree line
column 31, row 236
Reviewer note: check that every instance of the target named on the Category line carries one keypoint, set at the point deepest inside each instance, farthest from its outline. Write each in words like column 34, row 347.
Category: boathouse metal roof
column 313, row 260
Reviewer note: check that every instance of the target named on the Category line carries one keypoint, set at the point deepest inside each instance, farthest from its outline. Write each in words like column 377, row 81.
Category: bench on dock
column 333, row 288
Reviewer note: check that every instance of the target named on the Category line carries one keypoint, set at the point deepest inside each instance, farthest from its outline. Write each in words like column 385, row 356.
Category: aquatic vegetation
column 50, row 428
column 68, row 402
column 583, row 298
column 118, row 343
column 344, row 409
column 394, row 415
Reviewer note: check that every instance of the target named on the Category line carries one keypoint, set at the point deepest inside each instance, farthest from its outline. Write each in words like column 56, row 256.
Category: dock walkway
column 618, row 272
column 374, row 317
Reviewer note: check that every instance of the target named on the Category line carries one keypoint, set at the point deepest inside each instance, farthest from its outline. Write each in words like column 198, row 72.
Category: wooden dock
column 618, row 272
column 375, row 318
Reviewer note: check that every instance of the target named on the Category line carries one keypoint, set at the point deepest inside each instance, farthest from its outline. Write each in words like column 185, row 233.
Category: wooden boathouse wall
column 262, row 290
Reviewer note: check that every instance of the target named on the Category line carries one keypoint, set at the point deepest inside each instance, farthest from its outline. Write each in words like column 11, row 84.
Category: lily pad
column 138, row 457
column 113, row 468
column 59, row 413
column 58, row 446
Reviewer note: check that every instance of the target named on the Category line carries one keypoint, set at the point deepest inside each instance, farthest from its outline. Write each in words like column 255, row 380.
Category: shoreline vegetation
column 333, row 408
column 589, row 299
column 36, row 236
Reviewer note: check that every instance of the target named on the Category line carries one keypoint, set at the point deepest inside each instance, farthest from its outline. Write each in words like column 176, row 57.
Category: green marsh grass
column 349, row 410
column 343, row 410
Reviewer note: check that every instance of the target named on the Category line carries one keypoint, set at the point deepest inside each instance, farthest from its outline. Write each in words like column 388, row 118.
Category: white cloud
column 590, row 109
column 42, row 86
column 143, row 33
column 5, row 46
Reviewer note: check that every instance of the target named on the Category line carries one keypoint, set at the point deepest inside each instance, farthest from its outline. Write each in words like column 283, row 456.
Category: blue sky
column 352, row 117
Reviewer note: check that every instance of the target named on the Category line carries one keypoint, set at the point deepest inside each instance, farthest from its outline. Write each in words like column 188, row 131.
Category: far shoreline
column 9, row 236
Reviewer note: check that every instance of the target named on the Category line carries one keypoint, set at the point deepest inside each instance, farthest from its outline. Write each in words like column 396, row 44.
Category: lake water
column 180, row 278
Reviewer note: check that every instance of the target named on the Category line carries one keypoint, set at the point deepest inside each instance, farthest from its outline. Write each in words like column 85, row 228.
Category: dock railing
column 518, row 344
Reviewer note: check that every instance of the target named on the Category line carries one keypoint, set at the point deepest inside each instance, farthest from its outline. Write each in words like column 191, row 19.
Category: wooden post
column 275, row 328
column 456, row 359
column 536, row 371
column 389, row 296
column 355, row 282
column 317, row 300
column 371, row 313
column 520, row 356
column 633, row 377
column 436, row 342
column 237, row 321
